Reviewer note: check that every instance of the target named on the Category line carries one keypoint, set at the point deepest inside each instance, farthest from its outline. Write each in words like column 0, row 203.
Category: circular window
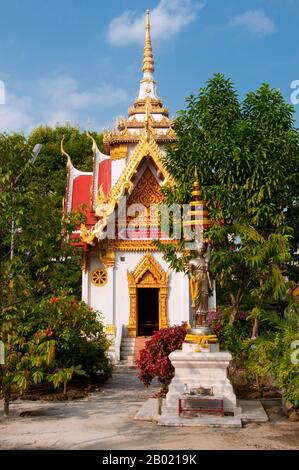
column 99, row 277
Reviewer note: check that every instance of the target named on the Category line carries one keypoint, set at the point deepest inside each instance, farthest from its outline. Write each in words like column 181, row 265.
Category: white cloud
column 255, row 22
column 65, row 90
column 168, row 18
column 57, row 100
column 16, row 114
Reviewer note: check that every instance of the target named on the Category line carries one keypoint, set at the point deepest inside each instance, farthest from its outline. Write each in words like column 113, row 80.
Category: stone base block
column 199, row 370
column 247, row 411
column 202, row 421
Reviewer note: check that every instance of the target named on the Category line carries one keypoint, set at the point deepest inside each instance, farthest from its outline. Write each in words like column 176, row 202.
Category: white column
column 110, row 319
column 85, row 289
column 212, row 298
column 185, row 302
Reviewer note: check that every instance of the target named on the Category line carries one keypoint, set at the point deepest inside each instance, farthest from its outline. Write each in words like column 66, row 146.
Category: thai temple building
column 124, row 276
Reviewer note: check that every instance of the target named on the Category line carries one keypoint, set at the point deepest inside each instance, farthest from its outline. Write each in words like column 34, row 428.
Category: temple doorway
column 148, row 311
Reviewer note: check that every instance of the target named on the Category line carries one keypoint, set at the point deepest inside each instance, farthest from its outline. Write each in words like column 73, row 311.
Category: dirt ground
column 104, row 420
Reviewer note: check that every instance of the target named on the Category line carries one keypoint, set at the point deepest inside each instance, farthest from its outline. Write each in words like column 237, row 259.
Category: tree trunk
column 235, row 305
column 64, row 388
column 255, row 328
column 6, row 401
column 233, row 314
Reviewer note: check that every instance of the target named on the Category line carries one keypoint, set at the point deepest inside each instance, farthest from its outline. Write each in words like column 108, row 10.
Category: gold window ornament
column 99, row 277
column 110, row 330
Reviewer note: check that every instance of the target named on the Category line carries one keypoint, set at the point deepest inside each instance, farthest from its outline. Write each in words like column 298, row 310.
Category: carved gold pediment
column 147, row 279
column 147, row 191
column 151, row 269
column 147, row 146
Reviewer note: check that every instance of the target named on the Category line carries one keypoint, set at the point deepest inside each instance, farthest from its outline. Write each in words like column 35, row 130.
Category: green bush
column 78, row 332
column 286, row 366
column 258, row 355
column 231, row 337
column 54, row 340
column 273, row 356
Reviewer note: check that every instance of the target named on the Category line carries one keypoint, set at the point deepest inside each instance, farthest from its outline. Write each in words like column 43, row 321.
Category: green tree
column 35, row 257
column 247, row 158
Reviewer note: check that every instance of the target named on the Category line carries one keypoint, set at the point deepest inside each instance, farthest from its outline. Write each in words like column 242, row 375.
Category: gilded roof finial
column 64, row 153
column 94, row 144
column 148, row 58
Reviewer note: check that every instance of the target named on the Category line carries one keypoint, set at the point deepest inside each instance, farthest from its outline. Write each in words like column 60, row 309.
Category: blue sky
column 80, row 61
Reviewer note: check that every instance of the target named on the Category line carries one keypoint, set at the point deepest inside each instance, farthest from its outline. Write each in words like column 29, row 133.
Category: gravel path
column 104, row 420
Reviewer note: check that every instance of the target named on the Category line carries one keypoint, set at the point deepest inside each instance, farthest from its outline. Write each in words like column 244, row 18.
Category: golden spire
column 148, row 58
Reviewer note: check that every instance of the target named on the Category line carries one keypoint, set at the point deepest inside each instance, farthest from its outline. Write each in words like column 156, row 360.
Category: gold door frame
column 148, row 273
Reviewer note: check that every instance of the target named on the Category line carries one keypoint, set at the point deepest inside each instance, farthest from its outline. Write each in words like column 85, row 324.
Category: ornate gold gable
column 147, row 146
column 147, row 196
column 147, row 274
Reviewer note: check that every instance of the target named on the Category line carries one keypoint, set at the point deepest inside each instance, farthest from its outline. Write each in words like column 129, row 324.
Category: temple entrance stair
column 127, row 351
column 139, row 344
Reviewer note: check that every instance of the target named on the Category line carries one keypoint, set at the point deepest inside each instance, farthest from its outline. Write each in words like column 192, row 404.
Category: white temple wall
column 131, row 148
column 117, row 167
column 101, row 298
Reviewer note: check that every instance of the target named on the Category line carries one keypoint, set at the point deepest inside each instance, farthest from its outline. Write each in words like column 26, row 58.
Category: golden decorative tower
column 147, row 112
column 198, row 215
column 148, row 59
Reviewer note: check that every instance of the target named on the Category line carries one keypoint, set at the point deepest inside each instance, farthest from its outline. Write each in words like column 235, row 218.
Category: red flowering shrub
column 153, row 360
column 53, row 300
column 215, row 321
column 49, row 331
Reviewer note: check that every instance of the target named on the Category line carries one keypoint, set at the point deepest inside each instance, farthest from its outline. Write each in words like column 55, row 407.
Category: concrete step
column 127, row 368
column 126, row 362
column 127, row 350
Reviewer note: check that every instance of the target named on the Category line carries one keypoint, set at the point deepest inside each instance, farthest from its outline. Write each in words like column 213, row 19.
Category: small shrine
column 124, row 276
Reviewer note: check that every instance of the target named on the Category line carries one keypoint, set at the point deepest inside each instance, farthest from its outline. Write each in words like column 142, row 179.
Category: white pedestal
column 205, row 369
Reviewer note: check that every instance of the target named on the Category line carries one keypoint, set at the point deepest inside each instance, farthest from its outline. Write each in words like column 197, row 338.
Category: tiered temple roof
column 116, row 173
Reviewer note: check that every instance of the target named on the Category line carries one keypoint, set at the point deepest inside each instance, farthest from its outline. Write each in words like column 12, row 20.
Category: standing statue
column 201, row 287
